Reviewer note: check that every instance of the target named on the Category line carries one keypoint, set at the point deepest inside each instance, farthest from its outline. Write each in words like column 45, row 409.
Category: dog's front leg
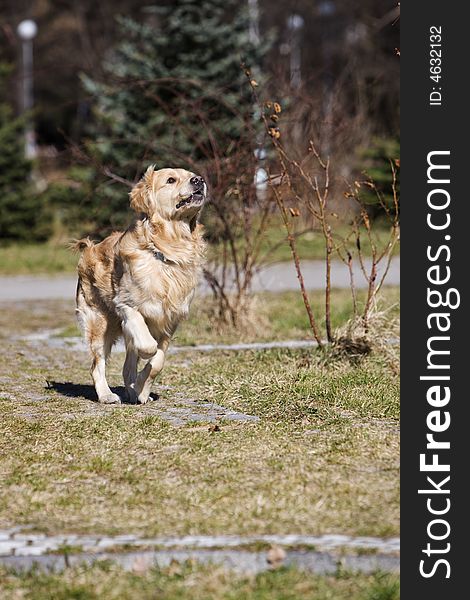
column 136, row 333
column 147, row 375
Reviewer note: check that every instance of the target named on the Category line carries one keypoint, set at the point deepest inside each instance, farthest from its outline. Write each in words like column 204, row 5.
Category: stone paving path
column 77, row 343
column 176, row 409
column 179, row 411
column 22, row 550
column 240, row 561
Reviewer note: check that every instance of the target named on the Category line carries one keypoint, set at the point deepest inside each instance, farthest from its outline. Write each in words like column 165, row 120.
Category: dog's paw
column 109, row 399
column 143, row 399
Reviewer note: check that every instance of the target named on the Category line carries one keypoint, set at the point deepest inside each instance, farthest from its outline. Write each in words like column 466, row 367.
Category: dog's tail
column 80, row 245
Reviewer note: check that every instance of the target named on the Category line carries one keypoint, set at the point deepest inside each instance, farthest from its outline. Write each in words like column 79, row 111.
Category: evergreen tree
column 20, row 216
column 379, row 157
column 174, row 94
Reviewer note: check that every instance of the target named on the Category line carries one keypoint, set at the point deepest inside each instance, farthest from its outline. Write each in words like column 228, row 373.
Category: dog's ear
column 140, row 194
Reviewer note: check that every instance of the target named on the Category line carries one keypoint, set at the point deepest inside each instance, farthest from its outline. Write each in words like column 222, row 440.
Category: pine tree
column 19, row 211
column 174, row 94
column 380, row 157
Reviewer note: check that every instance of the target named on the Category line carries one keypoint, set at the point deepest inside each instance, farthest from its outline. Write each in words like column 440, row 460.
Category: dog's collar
column 159, row 255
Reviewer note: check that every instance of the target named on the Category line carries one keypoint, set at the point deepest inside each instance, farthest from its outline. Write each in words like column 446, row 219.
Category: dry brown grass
column 322, row 458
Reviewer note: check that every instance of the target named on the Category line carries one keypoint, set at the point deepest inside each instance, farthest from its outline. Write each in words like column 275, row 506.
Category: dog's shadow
column 83, row 390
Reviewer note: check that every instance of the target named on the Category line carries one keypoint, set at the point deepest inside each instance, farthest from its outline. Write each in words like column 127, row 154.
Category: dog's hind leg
column 100, row 337
column 100, row 349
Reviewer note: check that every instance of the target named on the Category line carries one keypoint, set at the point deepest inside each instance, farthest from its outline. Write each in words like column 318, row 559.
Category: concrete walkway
column 273, row 278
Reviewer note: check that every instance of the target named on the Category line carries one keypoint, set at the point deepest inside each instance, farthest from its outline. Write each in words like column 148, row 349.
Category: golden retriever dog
column 140, row 283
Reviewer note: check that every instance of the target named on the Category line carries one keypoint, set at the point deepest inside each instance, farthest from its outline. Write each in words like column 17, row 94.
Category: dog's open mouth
column 195, row 198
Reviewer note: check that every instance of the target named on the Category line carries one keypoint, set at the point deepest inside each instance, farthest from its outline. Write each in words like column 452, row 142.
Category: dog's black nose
column 197, row 182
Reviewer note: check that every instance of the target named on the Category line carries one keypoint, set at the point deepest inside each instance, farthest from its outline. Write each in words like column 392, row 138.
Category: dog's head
column 171, row 194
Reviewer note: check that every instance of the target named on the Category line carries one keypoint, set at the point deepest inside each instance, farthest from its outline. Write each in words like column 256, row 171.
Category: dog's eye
column 171, row 180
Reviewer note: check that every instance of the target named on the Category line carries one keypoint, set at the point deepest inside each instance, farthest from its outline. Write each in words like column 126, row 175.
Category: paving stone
column 106, row 543
column 10, row 546
column 87, row 543
column 64, row 540
column 29, row 537
column 46, row 563
column 124, row 539
column 48, row 546
column 32, row 550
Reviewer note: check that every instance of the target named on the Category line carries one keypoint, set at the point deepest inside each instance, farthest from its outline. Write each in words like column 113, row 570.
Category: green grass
column 274, row 316
column 105, row 581
column 53, row 258
column 278, row 316
column 311, row 245
column 27, row 259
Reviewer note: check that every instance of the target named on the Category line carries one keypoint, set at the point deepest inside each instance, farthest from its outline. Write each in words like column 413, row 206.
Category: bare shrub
column 303, row 184
column 362, row 227
column 239, row 218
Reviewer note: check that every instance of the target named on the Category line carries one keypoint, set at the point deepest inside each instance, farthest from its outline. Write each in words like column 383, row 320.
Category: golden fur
column 140, row 283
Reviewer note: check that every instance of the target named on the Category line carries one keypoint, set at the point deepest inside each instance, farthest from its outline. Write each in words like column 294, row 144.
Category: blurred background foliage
column 121, row 84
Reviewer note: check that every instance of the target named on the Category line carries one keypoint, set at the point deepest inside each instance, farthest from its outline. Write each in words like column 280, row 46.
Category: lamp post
column 27, row 31
column 327, row 10
column 295, row 24
column 253, row 13
column 261, row 176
